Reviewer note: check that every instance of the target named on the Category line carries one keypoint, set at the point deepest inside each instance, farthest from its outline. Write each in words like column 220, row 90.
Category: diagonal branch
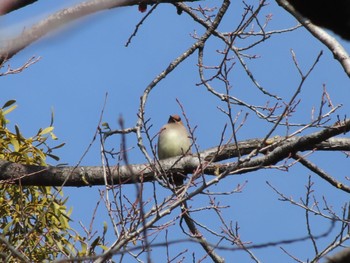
column 60, row 19
column 314, row 168
column 198, row 235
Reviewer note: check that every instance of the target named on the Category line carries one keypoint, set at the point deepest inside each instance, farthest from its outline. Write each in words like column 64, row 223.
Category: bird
column 174, row 139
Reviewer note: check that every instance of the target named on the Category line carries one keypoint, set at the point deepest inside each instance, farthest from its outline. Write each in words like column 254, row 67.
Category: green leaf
column 46, row 130
column 52, row 116
column 7, row 227
column 9, row 110
column 105, row 248
column 8, row 103
column 69, row 212
column 53, row 136
column 15, row 144
column 58, row 146
column 64, row 222
column 83, row 249
column 95, row 243
column 56, row 158
column 18, row 133
column 104, row 227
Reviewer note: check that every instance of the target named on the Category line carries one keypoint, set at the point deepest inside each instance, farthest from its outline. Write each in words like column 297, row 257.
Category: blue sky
column 86, row 60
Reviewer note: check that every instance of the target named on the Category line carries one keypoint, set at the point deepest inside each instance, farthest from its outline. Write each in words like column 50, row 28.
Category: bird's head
column 174, row 119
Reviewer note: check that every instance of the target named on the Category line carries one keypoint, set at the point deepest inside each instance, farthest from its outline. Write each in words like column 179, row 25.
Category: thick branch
column 285, row 148
column 61, row 18
column 278, row 148
column 54, row 22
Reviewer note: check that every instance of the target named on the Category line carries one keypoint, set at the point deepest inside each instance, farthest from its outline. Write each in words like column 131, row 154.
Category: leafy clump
column 34, row 220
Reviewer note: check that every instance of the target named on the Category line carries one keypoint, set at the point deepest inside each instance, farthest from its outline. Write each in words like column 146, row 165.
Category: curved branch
column 61, row 18
column 54, row 22
column 275, row 150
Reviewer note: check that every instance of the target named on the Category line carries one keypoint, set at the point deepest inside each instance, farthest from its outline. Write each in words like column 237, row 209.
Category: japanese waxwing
column 173, row 139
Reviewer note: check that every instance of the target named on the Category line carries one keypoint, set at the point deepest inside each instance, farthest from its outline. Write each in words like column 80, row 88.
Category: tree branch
column 199, row 236
column 61, row 18
column 275, row 149
column 314, row 168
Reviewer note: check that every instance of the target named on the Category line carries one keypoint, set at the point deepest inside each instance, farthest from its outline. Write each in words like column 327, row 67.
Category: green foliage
column 34, row 220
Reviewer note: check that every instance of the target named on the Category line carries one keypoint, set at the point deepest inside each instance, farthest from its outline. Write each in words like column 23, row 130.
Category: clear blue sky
column 82, row 62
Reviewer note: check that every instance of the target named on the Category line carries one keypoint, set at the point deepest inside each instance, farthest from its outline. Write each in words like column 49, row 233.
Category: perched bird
column 173, row 139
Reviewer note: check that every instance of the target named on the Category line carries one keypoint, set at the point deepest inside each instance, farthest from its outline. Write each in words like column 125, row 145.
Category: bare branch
column 321, row 173
column 199, row 236
column 27, row 64
column 59, row 19
column 277, row 149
